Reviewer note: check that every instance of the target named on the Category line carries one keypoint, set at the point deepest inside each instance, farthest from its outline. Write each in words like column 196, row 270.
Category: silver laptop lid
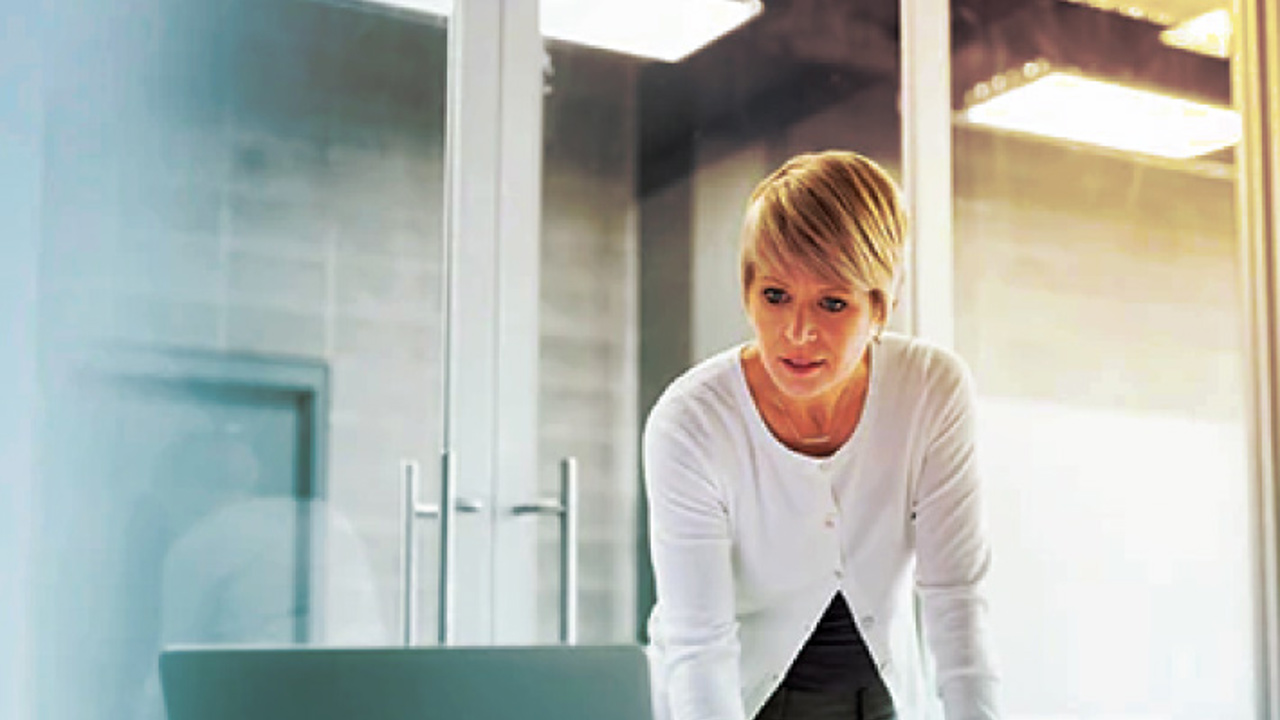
column 491, row 683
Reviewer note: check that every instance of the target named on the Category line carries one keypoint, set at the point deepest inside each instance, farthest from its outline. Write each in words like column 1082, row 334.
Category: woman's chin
column 800, row 386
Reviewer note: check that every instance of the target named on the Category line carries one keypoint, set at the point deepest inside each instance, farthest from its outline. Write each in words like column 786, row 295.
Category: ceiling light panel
column 1208, row 34
column 1072, row 107
column 667, row 30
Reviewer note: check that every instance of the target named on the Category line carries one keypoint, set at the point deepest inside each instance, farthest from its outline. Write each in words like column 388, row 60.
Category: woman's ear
column 883, row 307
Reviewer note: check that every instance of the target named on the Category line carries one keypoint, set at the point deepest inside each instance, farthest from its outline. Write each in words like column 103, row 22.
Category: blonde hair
column 835, row 214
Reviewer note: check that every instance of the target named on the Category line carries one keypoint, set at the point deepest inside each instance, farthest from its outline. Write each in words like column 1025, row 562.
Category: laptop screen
column 453, row 683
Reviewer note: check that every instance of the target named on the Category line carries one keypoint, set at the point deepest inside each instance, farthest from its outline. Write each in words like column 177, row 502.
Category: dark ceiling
column 801, row 56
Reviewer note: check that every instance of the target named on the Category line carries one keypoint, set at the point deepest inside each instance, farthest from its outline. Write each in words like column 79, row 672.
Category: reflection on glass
column 1096, row 299
column 239, row 567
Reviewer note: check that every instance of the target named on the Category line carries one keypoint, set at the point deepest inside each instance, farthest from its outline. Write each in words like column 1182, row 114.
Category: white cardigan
column 750, row 539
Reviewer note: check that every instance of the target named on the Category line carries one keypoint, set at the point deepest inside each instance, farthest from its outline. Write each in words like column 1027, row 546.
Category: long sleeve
column 692, row 560
column 953, row 554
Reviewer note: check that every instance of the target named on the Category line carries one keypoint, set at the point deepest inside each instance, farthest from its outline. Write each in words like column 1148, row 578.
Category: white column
column 1256, row 76
column 929, row 297
column 926, row 167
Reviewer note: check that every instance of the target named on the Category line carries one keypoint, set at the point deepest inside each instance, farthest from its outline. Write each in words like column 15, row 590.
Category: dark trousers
column 862, row 703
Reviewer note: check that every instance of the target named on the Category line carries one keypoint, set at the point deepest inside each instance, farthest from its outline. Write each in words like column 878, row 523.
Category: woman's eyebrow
column 825, row 289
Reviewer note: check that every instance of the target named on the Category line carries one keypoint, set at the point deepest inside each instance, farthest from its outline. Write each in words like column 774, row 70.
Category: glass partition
column 1097, row 298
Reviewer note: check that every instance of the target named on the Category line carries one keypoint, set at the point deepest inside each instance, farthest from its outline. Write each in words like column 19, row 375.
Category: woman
column 805, row 486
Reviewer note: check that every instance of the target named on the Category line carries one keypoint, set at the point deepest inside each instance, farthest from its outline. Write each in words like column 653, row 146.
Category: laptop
column 558, row 682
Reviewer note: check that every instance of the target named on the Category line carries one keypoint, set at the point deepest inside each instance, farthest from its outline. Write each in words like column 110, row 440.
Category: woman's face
column 811, row 334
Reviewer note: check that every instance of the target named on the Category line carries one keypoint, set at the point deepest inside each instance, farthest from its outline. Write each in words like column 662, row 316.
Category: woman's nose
column 799, row 328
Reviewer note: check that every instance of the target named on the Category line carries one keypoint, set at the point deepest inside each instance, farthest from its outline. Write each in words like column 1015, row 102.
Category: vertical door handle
column 412, row 511
column 566, row 508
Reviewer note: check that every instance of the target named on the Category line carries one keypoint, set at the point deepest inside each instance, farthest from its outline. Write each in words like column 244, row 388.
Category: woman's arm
column 691, row 552
column 952, row 550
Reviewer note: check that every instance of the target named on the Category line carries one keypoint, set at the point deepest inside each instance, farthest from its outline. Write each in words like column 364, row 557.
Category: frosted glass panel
column 1120, row 586
column 239, row 328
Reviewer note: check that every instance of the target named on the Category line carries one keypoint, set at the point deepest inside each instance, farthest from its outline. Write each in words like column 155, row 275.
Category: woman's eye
column 774, row 296
column 833, row 304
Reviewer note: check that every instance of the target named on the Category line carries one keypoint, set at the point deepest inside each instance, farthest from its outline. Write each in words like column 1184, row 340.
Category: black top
column 835, row 657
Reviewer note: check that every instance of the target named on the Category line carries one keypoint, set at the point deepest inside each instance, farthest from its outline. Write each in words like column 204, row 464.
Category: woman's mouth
column 802, row 367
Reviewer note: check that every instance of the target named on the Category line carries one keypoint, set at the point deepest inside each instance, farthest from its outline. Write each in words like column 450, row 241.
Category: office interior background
column 282, row 272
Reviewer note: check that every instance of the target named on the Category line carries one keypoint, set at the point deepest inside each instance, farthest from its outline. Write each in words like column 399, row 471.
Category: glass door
column 587, row 340
column 659, row 119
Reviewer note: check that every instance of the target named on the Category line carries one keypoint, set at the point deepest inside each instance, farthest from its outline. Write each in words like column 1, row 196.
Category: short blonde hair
column 835, row 214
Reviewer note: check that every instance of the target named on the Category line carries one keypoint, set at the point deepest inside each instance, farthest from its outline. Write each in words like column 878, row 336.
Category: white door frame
column 492, row 214
column 515, row 450
column 926, row 168
column 1255, row 66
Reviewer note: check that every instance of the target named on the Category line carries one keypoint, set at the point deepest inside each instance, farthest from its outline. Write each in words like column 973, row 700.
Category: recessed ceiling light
column 1207, row 34
column 667, row 30
column 1072, row 107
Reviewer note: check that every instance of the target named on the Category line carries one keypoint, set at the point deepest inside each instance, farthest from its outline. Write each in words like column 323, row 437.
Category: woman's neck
column 812, row 425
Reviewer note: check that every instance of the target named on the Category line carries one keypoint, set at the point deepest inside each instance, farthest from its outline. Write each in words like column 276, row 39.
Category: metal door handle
column 412, row 510
column 566, row 508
